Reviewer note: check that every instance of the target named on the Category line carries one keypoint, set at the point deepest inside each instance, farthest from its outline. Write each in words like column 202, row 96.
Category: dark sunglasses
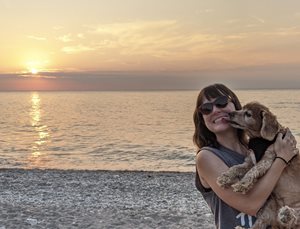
column 220, row 102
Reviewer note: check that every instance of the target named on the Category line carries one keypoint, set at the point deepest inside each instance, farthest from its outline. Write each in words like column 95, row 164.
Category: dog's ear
column 270, row 126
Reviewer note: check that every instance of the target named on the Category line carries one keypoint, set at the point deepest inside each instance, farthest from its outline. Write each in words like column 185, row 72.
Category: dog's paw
column 224, row 180
column 287, row 216
column 241, row 187
column 239, row 227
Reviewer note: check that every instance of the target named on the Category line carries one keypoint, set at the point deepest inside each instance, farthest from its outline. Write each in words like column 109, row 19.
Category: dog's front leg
column 235, row 173
column 246, row 183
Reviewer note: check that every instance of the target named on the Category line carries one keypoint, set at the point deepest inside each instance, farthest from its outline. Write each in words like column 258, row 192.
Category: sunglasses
column 220, row 102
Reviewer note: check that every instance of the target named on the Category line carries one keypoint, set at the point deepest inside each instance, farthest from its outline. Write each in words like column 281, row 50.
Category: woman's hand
column 285, row 146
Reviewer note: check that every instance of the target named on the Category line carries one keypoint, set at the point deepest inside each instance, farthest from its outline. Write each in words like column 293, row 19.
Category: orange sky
column 141, row 44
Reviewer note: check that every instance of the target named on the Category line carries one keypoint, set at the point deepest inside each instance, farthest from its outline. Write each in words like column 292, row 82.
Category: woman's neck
column 231, row 141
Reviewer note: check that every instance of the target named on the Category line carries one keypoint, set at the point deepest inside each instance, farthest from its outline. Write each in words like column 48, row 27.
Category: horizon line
column 140, row 90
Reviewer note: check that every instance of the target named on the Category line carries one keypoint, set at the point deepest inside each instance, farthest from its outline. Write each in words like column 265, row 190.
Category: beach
column 100, row 199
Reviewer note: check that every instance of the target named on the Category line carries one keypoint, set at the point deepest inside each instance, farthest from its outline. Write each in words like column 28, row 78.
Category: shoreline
column 51, row 198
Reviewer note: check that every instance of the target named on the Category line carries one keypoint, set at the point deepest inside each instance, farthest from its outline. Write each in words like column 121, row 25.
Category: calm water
column 113, row 130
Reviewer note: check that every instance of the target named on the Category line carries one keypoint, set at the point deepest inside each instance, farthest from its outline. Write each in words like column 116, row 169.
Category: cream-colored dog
column 282, row 210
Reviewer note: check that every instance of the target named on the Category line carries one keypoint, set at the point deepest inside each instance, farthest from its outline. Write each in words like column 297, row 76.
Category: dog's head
column 257, row 120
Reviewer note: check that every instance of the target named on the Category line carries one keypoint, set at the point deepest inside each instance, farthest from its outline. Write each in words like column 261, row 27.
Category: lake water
column 114, row 130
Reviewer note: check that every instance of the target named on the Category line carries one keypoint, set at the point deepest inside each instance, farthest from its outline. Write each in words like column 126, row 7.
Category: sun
column 34, row 71
column 34, row 66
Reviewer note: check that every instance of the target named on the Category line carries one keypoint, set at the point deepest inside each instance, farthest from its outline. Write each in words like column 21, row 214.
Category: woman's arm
column 210, row 167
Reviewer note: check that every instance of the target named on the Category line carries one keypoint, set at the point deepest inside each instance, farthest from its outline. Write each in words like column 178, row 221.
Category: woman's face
column 217, row 120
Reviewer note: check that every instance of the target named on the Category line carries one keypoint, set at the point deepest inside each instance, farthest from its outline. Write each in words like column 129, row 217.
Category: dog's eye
column 248, row 114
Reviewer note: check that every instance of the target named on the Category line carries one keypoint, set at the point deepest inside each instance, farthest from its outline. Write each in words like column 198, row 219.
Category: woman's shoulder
column 214, row 157
column 206, row 151
column 205, row 155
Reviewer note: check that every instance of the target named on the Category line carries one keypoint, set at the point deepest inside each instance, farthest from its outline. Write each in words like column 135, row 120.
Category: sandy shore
column 100, row 199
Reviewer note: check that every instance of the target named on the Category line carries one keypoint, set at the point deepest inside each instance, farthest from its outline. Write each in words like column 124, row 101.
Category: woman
column 222, row 146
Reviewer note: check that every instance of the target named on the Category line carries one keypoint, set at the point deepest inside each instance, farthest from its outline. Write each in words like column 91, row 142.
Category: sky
column 148, row 44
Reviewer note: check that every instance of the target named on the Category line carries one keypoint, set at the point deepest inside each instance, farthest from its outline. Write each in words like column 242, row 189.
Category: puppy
column 282, row 210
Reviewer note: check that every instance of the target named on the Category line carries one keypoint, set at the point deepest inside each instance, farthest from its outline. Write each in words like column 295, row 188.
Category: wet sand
column 100, row 199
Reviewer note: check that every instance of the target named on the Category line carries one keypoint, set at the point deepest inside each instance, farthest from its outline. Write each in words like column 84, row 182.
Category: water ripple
column 113, row 130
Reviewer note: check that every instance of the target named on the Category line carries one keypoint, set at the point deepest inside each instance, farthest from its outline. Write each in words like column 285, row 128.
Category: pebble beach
column 100, row 199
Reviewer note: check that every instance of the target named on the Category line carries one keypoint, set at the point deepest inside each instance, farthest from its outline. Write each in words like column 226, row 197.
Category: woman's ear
column 270, row 126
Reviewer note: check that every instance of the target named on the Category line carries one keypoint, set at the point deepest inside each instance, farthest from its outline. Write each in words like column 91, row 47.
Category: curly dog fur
column 282, row 210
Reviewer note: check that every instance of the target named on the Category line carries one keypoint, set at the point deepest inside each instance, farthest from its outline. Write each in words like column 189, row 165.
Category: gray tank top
column 226, row 217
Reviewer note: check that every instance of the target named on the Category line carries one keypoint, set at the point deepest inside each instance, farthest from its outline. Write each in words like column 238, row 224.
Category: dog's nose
column 231, row 114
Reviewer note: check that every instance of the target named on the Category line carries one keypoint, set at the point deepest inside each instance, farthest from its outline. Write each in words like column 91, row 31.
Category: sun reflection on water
column 37, row 156
column 35, row 109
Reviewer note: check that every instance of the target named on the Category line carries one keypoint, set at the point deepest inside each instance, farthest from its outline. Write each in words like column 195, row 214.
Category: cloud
column 287, row 31
column 58, row 27
column 260, row 20
column 297, row 15
column 171, row 45
column 127, row 28
column 209, row 10
column 37, row 76
column 76, row 49
column 235, row 36
column 36, row 38
column 232, row 21
column 205, row 11
column 80, row 35
column 254, row 22
column 166, row 38
column 270, row 76
column 65, row 38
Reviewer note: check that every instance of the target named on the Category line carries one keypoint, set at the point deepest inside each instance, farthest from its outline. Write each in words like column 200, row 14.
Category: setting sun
column 36, row 65
column 34, row 71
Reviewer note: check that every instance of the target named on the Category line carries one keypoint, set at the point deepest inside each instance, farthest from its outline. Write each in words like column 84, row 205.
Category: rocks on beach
column 100, row 199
